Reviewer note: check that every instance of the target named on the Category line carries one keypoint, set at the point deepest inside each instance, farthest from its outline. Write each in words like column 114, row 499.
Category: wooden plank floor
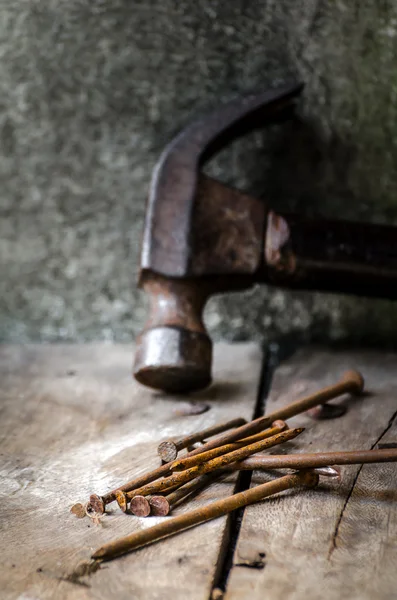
column 73, row 422
column 338, row 541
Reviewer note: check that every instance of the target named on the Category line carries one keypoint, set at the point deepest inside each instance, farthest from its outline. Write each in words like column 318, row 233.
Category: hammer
column 203, row 238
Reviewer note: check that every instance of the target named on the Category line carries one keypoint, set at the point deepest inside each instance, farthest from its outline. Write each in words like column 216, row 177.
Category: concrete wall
column 91, row 91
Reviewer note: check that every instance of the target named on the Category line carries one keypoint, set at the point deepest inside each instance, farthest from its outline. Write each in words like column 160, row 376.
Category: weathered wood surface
column 73, row 422
column 339, row 541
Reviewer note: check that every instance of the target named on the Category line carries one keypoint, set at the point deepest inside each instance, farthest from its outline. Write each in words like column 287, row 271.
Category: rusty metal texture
column 318, row 459
column 167, row 242
column 174, row 352
column 227, row 231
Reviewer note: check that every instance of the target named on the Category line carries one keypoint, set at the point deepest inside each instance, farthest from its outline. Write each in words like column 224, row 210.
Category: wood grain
column 339, row 541
column 73, row 422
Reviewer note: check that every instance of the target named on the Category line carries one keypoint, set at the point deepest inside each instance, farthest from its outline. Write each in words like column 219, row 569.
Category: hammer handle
column 334, row 256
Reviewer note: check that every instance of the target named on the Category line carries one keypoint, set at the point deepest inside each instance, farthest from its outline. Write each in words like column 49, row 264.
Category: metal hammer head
column 200, row 238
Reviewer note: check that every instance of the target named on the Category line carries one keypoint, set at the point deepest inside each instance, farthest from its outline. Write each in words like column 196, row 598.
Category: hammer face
column 173, row 359
column 174, row 351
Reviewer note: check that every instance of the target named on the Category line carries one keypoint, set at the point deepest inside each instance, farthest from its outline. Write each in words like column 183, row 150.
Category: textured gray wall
column 91, row 91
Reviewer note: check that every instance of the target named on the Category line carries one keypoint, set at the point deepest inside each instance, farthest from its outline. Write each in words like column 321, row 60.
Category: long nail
column 318, row 459
column 198, row 459
column 213, row 465
column 351, row 382
column 201, row 515
column 169, row 449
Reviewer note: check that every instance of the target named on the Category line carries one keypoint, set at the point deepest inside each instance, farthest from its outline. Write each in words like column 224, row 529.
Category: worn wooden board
column 73, row 422
column 339, row 541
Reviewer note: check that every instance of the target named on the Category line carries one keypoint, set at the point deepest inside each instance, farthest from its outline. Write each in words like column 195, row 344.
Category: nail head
column 159, row 505
column 140, row 507
column 355, row 379
column 167, row 451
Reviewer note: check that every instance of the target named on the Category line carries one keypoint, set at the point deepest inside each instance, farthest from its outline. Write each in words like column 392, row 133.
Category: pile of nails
column 231, row 448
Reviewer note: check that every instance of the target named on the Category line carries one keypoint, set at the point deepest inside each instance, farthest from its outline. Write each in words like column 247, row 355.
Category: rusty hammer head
column 200, row 238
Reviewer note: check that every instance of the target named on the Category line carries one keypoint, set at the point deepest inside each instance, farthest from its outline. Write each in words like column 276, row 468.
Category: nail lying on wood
column 238, row 433
column 98, row 503
column 140, row 506
column 198, row 459
column 161, row 506
column 216, row 463
column 169, row 449
column 318, row 459
column 351, row 382
column 203, row 514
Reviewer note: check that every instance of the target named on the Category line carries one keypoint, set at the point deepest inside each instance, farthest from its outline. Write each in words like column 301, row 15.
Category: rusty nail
column 198, row 459
column 169, row 449
column 201, row 515
column 351, row 382
column 98, row 503
column 318, row 459
column 214, row 464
